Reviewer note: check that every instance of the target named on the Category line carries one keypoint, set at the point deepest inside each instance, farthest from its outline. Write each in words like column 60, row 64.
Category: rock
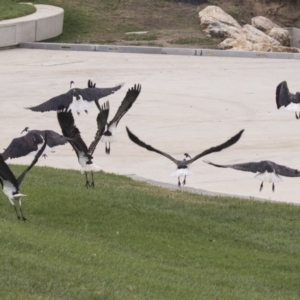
column 285, row 49
column 256, row 36
column 281, row 35
column 236, row 44
column 221, row 30
column 212, row 14
column 263, row 24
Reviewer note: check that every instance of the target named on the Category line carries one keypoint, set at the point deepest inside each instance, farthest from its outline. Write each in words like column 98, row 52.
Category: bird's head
column 72, row 85
column 26, row 129
column 186, row 155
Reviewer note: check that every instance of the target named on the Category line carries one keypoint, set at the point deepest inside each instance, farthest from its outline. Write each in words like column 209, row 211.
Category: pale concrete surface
column 187, row 104
column 45, row 23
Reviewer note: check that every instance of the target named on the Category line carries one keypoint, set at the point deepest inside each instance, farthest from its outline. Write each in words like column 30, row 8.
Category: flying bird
column 182, row 165
column 290, row 101
column 76, row 99
column 268, row 171
column 32, row 142
column 11, row 184
column 72, row 133
column 110, row 127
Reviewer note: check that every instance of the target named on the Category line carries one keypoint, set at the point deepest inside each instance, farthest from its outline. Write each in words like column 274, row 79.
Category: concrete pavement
column 187, row 104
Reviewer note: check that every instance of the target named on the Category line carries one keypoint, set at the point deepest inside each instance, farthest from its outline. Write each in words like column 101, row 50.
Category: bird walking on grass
column 11, row 184
column 72, row 133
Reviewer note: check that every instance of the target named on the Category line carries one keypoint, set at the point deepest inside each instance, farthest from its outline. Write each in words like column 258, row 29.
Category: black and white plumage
column 182, row 165
column 76, row 99
column 32, row 142
column 268, row 171
column 10, row 184
column 284, row 98
column 72, row 133
column 126, row 104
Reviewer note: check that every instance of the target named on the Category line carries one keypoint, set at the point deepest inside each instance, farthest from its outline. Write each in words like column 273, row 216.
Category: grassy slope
column 127, row 240
column 10, row 9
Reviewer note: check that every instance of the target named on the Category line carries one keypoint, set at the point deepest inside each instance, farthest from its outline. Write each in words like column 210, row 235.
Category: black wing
column 94, row 94
column 53, row 138
column 63, row 100
column 286, row 171
column 218, row 148
column 37, row 156
column 7, row 174
column 70, row 131
column 127, row 102
column 282, row 95
column 137, row 141
column 101, row 122
column 22, row 146
column 253, row 167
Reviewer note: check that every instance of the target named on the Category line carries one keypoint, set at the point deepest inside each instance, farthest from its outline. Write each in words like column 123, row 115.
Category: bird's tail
column 18, row 196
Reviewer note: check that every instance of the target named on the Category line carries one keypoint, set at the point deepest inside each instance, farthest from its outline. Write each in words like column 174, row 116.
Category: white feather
column 181, row 172
column 268, row 177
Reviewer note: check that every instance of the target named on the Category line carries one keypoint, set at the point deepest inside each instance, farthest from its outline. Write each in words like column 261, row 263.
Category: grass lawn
column 128, row 240
column 10, row 9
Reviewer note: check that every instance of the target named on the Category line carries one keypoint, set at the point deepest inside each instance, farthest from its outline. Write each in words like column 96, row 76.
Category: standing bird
column 182, row 165
column 10, row 185
column 32, row 142
column 71, row 132
column 127, row 102
column 284, row 98
column 268, row 171
column 76, row 99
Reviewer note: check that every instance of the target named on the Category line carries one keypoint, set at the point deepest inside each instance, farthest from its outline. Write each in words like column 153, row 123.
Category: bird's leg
column 78, row 113
column 273, row 187
column 92, row 184
column 179, row 184
column 86, row 111
column 184, row 181
column 296, row 115
column 17, row 213
column 23, row 218
column 261, row 186
column 44, row 155
column 107, row 148
column 87, row 183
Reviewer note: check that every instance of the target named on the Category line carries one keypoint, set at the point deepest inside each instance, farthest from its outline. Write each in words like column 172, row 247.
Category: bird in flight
column 182, row 165
column 76, row 99
column 284, row 98
column 126, row 104
column 268, row 171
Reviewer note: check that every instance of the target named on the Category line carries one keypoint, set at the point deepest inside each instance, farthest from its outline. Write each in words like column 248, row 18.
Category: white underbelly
column 181, row 172
column 268, row 177
column 293, row 107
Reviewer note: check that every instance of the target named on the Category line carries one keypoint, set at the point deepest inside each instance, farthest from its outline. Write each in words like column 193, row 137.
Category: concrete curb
column 158, row 50
column 45, row 23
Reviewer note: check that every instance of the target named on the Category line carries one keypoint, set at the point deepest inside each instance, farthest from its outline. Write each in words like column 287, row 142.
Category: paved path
column 187, row 104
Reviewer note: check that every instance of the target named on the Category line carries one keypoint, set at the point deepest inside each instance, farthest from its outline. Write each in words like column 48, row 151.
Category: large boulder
column 212, row 14
column 256, row 36
column 281, row 35
column 263, row 24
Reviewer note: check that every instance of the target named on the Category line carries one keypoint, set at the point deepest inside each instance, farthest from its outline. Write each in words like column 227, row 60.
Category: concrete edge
column 158, row 50
column 45, row 23
column 201, row 191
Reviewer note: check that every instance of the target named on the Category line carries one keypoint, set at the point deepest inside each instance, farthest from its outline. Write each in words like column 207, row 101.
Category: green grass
column 193, row 41
column 128, row 240
column 10, row 9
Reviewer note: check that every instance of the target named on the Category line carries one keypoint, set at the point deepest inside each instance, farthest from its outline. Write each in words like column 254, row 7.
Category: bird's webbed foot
column 45, row 156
